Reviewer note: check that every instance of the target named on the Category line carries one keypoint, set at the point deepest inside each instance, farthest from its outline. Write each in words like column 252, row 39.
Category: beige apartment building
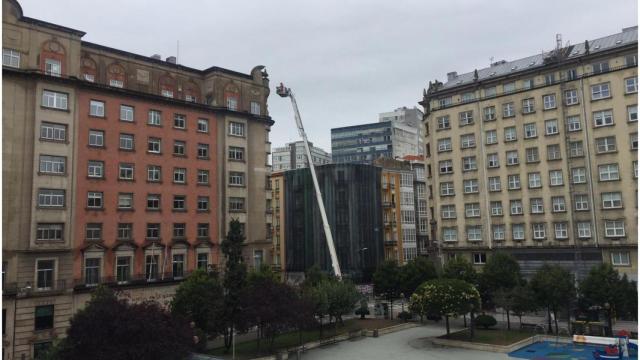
column 119, row 169
column 538, row 157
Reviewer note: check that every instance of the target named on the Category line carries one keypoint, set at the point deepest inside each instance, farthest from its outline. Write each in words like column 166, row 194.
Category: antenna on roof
column 558, row 41
column 491, row 61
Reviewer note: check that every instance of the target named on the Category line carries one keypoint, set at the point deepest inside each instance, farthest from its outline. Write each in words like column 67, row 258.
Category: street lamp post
column 362, row 262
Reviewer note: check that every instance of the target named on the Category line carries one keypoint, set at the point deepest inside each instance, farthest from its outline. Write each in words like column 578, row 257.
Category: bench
column 527, row 326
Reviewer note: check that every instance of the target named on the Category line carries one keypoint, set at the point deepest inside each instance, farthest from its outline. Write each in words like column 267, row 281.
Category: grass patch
column 249, row 349
column 490, row 336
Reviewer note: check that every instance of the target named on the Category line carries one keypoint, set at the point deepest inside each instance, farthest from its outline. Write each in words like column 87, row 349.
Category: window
column 190, row 98
column 179, row 175
column 203, row 203
column 155, row 118
column 179, row 202
column 443, row 102
column 600, row 67
column 532, row 155
column 179, row 230
column 516, row 207
column 50, row 164
column 537, row 205
column 203, row 125
column 10, row 58
column 474, row 233
column 127, row 142
column 620, row 258
column 203, row 230
column 573, row 123
column 614, row 228
column 96, row 108
column 549, row 101
column 50, row 232
column 443, row 122
column 539, row 231
column 444, row 144
column 232, row 103
column 446, row 167
column 116, row 83
column 255, row 108
column 632, row 113
column 494, row 183
column 584, row 229
column 492, row 137
column 576, row 149
column 93, row 232
column 469, row 163
column 498, row 232
column 631, row 85
column 561, row 230
column 609, row 172
column 579, row 175
column 178, row 265
column 509, row 87
column 633, row 140
column 467, row 141
column 236, row 204
column 606, row 144
column 203, row 151
column 535, row 180
column 202, row 261
column 551, row 127
column 558, row 203
column 514, row 182
column 125, row 231
column 179, row 121
column 466, row 118
column 530, row 131
column 512, row 158
column 43, row 317
column 236, row 129
column 151, row 267
column 472, row 210
column 470, row 186
column 581, row 202
column 236, row 153
column 179, row 148
column 126, row 172
column 553, row 152
column 612, row 200
column 45, row 274
column 496, row 208
column 96, row 138
column 508, row 110
column 53, row 132
column 51, row 198
column 154, row 173
column 448, row 211
column 446, row 189
column 153, row 202
column 153, row 231
column 489, row 113
column 528, row 106
column 236, row 178
column 517, row 231
column 154, row 145
column 54, row 100
column 603, row 118
column 510, row 134
column 600, row 91
column 94, row 200
column 571, row 97
column 203, row 177
column 52, row 67
column 126, row 113
column 123, row 269
column 91, row 271
column 125, row 201
column 555, row 178
column 635, row 169
column 479, row 258
column 166, row 93
column 493, row 161
column 549, row 79
column 449, row 234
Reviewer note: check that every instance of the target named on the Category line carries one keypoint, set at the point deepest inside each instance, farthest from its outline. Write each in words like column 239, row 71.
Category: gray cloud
column 346, row 60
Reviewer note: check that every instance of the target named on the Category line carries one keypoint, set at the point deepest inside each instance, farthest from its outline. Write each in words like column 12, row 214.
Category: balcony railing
column 29, row 289
column 390, row 242
column 136, row 279
column 388, row 204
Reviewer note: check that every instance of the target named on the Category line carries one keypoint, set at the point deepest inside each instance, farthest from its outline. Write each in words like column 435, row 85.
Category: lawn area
column 249, row 349
column 490, row 336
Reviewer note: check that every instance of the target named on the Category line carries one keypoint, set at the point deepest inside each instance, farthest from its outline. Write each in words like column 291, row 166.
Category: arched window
column 52, row 58
column 167, row 86
column 116, row 75
column 89, row 69
column 191, row 92
column 231, row 97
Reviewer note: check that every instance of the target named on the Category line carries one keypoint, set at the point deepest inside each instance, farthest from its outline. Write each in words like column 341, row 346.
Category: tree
column 363, row 309
column 500, row 272
column 414, row 273
column 553, row 288
column 318, row 302
column 200, row 299
column 461, row 269
column 386, row 282
column 313, row 276
column 108, row 328
column 522, row 301
column 341, row 297
column 445, row 297
column 504, row 299
column 234, row 282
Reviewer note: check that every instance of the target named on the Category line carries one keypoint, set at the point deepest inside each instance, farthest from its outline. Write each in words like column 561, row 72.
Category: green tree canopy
column 414, row 273
column 200, row 299
column 522, row 300
column 553, row 288
column 234, row 281
column 341, row 297
column 386, row 281
column 461, row 269
column 501, row 271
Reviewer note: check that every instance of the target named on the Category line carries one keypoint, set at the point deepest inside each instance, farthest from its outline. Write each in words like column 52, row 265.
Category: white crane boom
column 286, row 92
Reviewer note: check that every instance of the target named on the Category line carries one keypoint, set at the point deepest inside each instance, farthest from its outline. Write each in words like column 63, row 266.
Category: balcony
column 27, row 289
column 269, row 211
column 136, row 279
column 390, row 242
column 388, row 223
column 388, row 204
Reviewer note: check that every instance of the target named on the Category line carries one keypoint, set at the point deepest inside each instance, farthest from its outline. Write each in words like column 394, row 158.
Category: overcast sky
column 345, row 60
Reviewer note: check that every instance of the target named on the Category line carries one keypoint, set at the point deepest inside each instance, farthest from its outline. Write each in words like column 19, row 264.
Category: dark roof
column 53, row 26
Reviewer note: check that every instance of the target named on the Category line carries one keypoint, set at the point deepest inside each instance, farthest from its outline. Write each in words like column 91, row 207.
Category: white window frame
column 474, row 233
column 631, row 85
column 584, row 229
column 496, row 208
column 236, row 129
column 444, row 144
column 614, row 228
column 517, row 232
column 508, row 110
column 450, row 234
column 600, row 91
column 609, row 172
column 549, row 101
column 494, row 183
column 581, row 202
column 539, row 231
column 448, row 211
column 491, row 137
column 602, row 118
column 551, row 127
column 620, row 258
column 10, row 58
column 52, row 67
column 510, row 134
column 571, row 97
column 516, row 207
column 556, row 178
column 530, row 130
column 561, row 230
column 55, row 100
column 632, row 113
column 559, row 204
column 514, row 182
column 574, row 123
column 154, row 118
column 612, row 200
column 126, row 113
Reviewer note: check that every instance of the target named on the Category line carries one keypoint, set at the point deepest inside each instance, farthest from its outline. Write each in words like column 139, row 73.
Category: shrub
column 486, row 321
column 363, row 309
column 434, row 317
column 405, row 316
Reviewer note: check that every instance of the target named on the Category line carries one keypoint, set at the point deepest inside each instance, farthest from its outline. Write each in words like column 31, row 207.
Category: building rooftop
column 501, row 68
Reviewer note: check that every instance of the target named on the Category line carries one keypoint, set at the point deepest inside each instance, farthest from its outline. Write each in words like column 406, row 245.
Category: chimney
column 171, row 59
column 156, row 56
column 452, row 75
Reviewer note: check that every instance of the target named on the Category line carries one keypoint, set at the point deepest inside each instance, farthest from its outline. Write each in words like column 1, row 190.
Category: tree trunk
column 447, row 322
column 321, row 318
column 228, row 339
column 258, row 331
column 472, row 325
column 391, row 309
column 549, row 317
column 520, row 317
column 609, row 323
column 555, row 319
column 464, row 317
column 508, row 321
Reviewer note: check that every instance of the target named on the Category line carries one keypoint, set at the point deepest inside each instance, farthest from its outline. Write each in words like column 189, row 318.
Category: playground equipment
column 619, row 349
